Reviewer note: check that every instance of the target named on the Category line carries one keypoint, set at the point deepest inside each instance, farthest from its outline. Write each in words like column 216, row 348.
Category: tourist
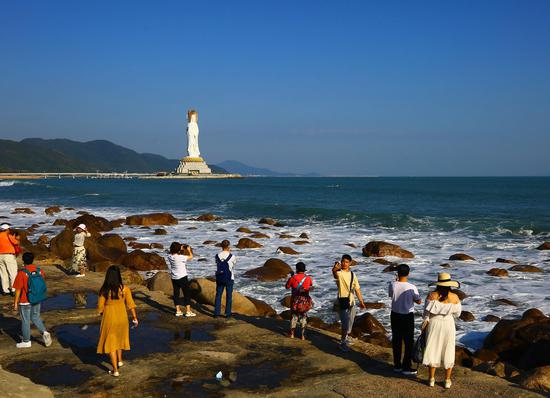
column 442, row 307
column 9, row 246
column 115, row 300
column 348, row 288
column 403, row 296
column 300, row 302
column 27, row 301
column 80, row 263
column 225, row 278
column 177, row 261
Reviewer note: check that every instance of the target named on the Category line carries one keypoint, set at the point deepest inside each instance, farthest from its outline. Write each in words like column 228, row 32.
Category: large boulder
column 109, row 247
column 523, row 342
column 93, row 223
column 367, row 328
column 161, row 282
column 383, row 249
column 262, row 308
column 538, row 380
column 467, row 316
column 287, row 250
column 244, row 230
column 273, row 270
column 204, row 292
column 461, row 257
column 544, row 246
column 525, row 268
column 152, row 219
column 130, row 277
column 17, row 386
column 500, row 272
column 207, row 217
column 22, row 210
column 50, row 211
column 505, row 261
column 245, row 243
column 268, row 221
column 141, row 261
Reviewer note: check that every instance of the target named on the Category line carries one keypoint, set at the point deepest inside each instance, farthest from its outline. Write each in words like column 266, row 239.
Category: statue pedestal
column 193, row 166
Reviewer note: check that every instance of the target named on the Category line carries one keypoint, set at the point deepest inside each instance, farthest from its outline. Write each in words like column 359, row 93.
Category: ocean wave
column 6, row 183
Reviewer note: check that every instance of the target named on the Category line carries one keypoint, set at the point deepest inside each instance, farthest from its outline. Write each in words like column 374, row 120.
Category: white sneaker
column 47, row 339
column 24, row 344
column 409, row 372
column 179, row 313
column 79, row 276
column 432, row 382
column 113, row 373
column 190, row 314
column 120, row 364
column 448, row 383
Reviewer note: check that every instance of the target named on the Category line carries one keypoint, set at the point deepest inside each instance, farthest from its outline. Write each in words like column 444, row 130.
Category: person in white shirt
column 403, row 296
column 177, row 261
column 225, row 278
column 80, row 264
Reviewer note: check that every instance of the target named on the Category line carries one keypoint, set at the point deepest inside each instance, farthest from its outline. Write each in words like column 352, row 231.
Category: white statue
column 193, row 134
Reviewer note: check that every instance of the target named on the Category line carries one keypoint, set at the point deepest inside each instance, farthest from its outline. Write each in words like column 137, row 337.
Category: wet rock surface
column 383, row 249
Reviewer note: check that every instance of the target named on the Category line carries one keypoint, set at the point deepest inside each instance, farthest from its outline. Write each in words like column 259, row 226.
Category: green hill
column 61, row 155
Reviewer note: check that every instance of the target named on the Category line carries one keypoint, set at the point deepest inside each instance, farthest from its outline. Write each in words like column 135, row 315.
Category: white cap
column 81, row 226
column 4, row 227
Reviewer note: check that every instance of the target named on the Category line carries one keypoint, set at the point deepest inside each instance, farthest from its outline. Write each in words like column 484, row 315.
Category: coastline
column 32, row 176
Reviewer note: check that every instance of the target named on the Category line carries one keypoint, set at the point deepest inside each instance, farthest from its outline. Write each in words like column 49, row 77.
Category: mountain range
column 36, row 155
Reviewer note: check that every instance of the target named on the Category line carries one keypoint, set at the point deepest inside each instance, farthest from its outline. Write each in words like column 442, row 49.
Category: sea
column 486, row 218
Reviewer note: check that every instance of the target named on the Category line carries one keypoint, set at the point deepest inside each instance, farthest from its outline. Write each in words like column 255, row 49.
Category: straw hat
column 444, row 279
column 81, row 226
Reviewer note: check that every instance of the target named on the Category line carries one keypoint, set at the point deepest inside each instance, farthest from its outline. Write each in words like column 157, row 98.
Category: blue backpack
column 36, row 288
column 223, row 272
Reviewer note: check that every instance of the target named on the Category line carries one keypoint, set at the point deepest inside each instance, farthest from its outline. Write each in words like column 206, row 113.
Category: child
column 29, row 312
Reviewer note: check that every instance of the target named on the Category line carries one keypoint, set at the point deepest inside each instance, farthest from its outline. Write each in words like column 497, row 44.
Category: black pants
column 402, row 329
column 182, row 284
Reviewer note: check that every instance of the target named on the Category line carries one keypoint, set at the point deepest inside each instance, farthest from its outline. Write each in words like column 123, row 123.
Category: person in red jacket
column 300, row 302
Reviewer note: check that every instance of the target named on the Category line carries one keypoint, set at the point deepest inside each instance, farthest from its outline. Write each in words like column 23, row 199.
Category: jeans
column 228, row 297
column 30, row 313
column 183, row 284
column 347, row 317
column 402, row 329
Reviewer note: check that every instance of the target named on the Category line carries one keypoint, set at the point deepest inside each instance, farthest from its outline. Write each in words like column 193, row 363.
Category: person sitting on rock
column 225, row 278
column 80, row 264
column 28, row 303
column 301, row 302
column 348, row 288
column 115, row 300
column 177, row 261
column 441, row 308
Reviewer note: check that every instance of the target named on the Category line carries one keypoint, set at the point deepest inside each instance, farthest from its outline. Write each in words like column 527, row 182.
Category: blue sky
column 341, row 88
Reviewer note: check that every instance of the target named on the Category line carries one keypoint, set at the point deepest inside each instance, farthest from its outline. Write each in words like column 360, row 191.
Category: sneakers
column 190, row 314
column 350, row 340
column 409, row 372
column 79, row 276
column 179, row 313
column 120, row 364
column 432, row 382
column 24, row 344
column 114, row 373
column 344, row 346
column 47, row 339
column 448, row 383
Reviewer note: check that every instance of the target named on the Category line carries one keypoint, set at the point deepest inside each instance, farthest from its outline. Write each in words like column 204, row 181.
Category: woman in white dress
column 441, row 309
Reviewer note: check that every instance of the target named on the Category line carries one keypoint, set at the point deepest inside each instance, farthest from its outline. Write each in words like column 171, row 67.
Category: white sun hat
column 81, row 226
column 4, row 227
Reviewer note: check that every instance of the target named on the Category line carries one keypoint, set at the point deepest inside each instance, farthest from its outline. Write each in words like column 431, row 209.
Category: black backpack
column 223, row 272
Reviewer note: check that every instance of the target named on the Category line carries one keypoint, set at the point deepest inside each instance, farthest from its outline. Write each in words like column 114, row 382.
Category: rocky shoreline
column 516, row 350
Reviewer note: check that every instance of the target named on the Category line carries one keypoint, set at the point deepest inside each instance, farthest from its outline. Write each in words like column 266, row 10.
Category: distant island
column 37, row 155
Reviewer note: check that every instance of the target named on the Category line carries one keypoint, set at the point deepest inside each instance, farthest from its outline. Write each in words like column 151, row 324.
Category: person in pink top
column 301, row 302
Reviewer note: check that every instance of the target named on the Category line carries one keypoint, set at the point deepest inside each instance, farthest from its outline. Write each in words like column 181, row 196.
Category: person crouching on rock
column 348, row 287
column 225, row 278
column 114, row 301
column 177, row 260
column 441, row 309
column 300, row 302
column 80, row 264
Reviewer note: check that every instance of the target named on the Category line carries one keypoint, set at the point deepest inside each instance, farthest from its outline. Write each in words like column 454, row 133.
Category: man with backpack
column 225, row 263
column 30, row 291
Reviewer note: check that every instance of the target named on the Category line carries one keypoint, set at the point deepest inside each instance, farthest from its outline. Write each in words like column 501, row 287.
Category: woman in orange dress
column 115, row 300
